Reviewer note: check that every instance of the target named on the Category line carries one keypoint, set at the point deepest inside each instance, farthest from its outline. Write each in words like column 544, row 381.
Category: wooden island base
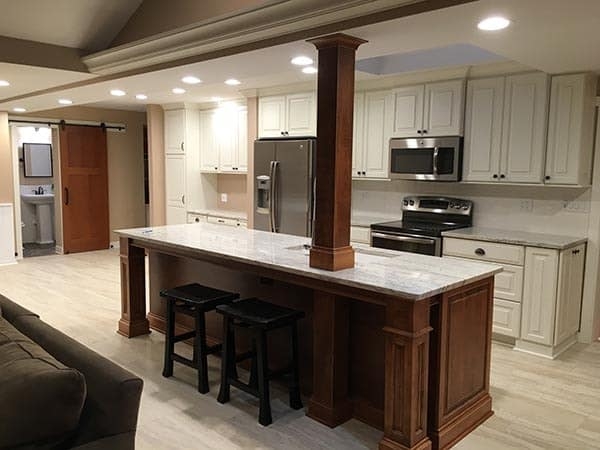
column 418, row 370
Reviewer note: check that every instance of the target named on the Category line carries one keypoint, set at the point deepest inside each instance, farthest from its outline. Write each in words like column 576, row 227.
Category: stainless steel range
column 423, row 221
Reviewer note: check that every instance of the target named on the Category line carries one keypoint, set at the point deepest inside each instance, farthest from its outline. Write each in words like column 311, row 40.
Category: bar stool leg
column 224, row 391
column 264, row 415
column 294, row 388
column 200, row 347
column 253, row 382
column 169, row 339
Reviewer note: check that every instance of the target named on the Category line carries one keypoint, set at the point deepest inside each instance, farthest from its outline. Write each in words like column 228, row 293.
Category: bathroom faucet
column 39, row 190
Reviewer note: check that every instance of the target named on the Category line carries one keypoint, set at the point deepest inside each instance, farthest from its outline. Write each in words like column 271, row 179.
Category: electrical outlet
column 526, row 205
column 224, row 198
column 576, row 206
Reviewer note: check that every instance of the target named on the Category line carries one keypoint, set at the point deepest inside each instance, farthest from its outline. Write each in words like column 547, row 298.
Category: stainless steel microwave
column 429, row 159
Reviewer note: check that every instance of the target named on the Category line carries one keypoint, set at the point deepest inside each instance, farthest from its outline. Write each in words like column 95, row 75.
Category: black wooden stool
column 192, row 300
column 258, row 317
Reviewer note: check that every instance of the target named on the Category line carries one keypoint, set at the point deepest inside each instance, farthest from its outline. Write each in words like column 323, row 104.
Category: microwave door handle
column 416, row 240
column 436, row 153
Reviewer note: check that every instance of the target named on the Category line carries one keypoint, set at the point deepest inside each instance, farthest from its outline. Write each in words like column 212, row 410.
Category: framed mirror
column 38, row 160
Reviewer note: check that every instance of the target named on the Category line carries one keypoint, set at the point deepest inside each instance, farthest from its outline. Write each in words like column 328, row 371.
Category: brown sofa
column 55, row 393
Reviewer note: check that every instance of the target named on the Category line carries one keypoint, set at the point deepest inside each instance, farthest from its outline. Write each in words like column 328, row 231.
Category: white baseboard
column 60, row 250
column 114, row 244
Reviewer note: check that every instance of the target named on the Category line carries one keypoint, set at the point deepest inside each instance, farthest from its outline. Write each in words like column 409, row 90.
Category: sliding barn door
column 84, row 180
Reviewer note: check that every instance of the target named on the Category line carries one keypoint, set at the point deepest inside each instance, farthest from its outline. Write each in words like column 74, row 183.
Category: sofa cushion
column 40, row 398
column 11, row 311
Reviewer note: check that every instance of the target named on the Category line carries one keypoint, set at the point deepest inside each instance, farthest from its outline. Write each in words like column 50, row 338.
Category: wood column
column 406, row 375
column 330, row 403
column 331, row 248
column 133, row 290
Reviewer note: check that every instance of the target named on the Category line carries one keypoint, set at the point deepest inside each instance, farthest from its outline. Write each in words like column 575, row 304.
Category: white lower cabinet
column 361, row 235
column 537, row 297
column 227, row 221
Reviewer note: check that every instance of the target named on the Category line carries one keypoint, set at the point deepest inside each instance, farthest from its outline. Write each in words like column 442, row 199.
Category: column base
column 132, row 329
column 388, row 444
column 332, row 417
column 332, row 258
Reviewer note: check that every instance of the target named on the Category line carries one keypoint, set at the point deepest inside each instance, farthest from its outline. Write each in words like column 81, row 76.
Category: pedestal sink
column 43, row 213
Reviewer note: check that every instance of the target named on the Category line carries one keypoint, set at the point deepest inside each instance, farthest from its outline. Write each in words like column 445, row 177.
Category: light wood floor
column 539, row 404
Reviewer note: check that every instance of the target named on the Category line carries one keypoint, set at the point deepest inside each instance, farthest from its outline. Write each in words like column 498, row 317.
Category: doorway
column 84, row 188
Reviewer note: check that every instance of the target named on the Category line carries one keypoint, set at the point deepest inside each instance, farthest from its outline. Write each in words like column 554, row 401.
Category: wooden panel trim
column 133, row 290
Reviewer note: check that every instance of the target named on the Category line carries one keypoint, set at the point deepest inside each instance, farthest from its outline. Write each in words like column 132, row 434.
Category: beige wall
column 154, row 16
column 6, row 171
column 235, row 188
column 125, row 162
column 156, row 165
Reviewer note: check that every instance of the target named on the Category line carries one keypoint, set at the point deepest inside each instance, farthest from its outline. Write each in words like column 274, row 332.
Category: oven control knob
column 412, row 202
column 457, row 206
column 405, row 202
column 451, row 205
column 465, row 207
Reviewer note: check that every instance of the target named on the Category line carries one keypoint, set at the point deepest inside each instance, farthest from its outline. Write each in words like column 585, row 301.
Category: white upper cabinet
column 358, row 136
column 443, row 110
column 434, row 109
column 242, row 140
column 408, row 117
column 524, row 128
column 378, row 124
column 175, row 131
column 483, row 129
column 289, row 115
column 571, row 129
column 209, row 151
column 175, row 189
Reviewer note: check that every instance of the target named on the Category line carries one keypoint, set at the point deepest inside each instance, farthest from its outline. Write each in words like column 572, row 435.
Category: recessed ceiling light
column 191, row 80
column 65, row 101
column 216, row 99
column 117, row 92
column 178, row 91
column 19, row 109
column 493, row 23
column 302, row 61
column 141, row 96
column 233, row 82
column 4, row 83
column 310, row 70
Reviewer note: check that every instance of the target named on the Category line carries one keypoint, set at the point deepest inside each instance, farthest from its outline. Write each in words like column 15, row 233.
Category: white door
column 379, row 121
column 483, row 129
column 357, row 135
column 408, row 114
column 242, row 141
column 175, row 131
column 570, row 289
column 524, row 128
column 566, row 129
column 271, row 116
column 175, row 188
column 301, row 114
column 443, row 110
column 539, row 295
column 209, row 151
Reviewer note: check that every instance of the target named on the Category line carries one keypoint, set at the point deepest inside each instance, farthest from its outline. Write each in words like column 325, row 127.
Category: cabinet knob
column 197, row 219
column 424, row 131
column 576, row 252
column 547, row 177
column 479, row 252
column 216, row 168
column 495, row 175
column 502, row 176
column 364, row 173
column 358, row 172
column 419, row 131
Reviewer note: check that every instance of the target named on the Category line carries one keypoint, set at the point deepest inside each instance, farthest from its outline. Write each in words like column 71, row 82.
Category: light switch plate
column 224, row 198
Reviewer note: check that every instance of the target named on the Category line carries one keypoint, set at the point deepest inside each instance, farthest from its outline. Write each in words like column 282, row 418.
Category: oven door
column 412, row 243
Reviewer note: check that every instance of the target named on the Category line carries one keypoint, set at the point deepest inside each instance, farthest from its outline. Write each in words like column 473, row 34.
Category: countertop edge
column 481, row 237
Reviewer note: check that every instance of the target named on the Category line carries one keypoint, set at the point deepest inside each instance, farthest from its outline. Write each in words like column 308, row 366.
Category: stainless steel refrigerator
column 284, row 185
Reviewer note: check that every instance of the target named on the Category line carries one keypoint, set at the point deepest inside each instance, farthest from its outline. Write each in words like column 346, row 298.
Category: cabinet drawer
column 196, row 218
column 508, row 284
column 507, row 318
column 222, row 221
column 485, row 251
column 360, row 234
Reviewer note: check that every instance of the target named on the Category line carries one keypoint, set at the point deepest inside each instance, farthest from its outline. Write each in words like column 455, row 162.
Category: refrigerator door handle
column 273, row 210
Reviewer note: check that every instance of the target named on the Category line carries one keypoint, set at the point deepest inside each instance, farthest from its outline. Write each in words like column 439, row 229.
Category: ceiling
column 556, row 38
column 83, row 24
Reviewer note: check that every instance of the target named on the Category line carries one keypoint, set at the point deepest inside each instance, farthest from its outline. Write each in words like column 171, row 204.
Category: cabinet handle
column 358, row 172
column 495, row 175
column 479, row 252
column 66, row 196
column 364, row 173
column 181, row 146
column 576, row 252
column 220, row 221
column 183, row 199
column 419, row 131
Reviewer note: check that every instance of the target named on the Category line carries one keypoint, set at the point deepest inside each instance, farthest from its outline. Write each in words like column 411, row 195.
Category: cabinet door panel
column 508, row 284
column 408, row 115
column 443, row 111
column 524, row 131
column 175, row 131
column 507, row 318
column 175, row 189
column 378, row 126
column 483, row 129
column 209, row 151
column 301, row 114
column 357, row 135
column 271, row 116
column 242, row 144
column 539, row 295
column 570, row 289
column 226, row 133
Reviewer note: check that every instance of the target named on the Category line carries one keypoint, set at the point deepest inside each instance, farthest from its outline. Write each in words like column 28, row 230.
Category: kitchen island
column 400, row 341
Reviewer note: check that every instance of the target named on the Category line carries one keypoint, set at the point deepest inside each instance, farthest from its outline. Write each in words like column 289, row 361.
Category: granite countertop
column 407, row 275
column 542, row 240
column 240, row 215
